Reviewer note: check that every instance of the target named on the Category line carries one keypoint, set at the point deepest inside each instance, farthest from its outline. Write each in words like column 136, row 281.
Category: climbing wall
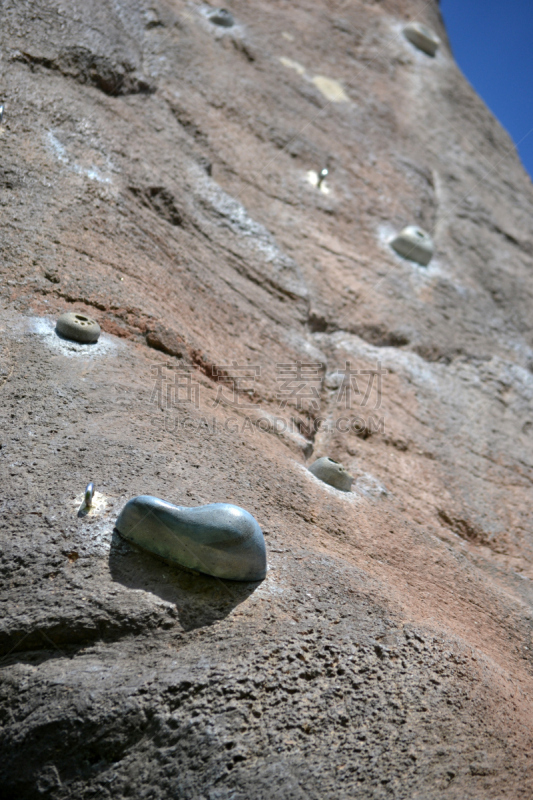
column 303, row 235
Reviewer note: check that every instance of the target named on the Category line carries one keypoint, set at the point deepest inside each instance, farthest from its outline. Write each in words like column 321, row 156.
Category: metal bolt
column 89, row 494
column 1, row 113
column 322, row 175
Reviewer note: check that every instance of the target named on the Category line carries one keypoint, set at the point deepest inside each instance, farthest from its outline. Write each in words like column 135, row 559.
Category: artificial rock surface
column 154, row 177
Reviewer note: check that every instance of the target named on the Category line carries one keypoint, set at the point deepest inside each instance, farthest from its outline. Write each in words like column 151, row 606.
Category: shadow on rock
column 199, row 599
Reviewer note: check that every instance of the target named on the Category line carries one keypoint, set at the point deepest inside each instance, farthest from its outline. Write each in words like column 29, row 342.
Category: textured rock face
column 155, row 178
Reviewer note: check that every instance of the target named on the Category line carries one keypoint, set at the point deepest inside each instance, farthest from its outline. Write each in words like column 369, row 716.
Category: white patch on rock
column 46, row 329
column 419, row 276
column 370, row 486
column 100, row 504
column 331, row 89
column 96, row 527
column 62, row 155
column 284, row 271
column 312, row 178
column 304, row 346
column 391, row 358
column 279, row 426
column 350, row 497
column 290, row 64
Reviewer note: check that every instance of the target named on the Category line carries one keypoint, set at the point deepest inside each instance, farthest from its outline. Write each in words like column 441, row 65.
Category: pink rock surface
column 154, row 175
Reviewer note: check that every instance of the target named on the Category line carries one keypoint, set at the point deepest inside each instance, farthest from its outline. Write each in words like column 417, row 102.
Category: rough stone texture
column 154, row 174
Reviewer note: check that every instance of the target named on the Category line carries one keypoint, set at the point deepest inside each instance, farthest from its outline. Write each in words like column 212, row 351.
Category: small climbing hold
column 422, row 37
column 221, row 17
column 78, row 327
column 219, row 539
column 333, row 473
column 89, row 494
column 415, row 244
column 290, row 64
column 331, row 89
column 322, row 175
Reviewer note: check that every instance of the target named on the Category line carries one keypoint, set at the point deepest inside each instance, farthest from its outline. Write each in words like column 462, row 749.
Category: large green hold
column 219, row 539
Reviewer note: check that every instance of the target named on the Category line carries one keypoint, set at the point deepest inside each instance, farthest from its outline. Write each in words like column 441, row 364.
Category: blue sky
column 492, row 41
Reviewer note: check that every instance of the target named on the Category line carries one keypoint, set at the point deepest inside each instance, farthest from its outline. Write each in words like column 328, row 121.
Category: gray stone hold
column 222, row 17
column 333, row 473
column 219, row 539
column 422, row 37
column 78, row 328
column 415, row 244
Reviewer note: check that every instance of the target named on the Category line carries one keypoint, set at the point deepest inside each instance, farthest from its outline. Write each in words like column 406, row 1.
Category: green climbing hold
column 332, row 473
column 219, row 539
column 415, row 244
column 422, row 37
column 221, row 17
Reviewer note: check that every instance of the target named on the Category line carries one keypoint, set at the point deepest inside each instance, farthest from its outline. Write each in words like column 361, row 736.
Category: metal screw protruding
column 1, row 113
column 89, row 494
column 322, row 175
